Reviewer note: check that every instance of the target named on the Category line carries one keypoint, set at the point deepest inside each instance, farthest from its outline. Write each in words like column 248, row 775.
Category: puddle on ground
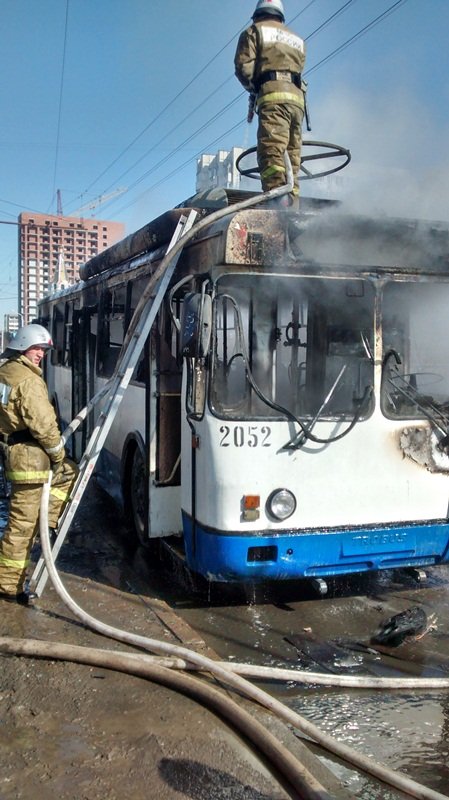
column 408, row 732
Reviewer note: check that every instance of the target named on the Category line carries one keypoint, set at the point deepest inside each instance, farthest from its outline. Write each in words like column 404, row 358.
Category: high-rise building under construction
column 51, row 250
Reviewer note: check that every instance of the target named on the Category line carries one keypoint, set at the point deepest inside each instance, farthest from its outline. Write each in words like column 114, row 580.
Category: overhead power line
column 180, row 146
column 159, row 115
column 10, row 203
column 203, row 102
column 61, row 90
column 173, row 100
column 22, row 207
column 181, row 166
column 168, row 133
column 301, row 12
column 177, row 149
column 394, row 7
column 358, row 35
column 330, row 19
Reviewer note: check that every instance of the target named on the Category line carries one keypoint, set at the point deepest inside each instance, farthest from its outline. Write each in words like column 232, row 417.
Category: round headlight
column 281, row 504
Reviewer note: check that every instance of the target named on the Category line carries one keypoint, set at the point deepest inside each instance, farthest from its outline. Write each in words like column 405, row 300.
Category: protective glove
column 58, row 468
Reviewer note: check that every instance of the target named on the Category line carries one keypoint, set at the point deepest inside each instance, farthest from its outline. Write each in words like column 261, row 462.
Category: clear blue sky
column 112, row 99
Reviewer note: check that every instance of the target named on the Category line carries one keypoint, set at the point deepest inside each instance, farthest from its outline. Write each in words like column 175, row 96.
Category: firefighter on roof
column 269, row 62
column 31, row 443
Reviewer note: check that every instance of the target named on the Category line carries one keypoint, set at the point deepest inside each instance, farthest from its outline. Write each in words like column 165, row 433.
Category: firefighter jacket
column 28, row 424
column 269, row 61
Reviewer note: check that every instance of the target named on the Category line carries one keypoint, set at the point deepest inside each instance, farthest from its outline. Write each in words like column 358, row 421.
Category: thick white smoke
column 400, row 164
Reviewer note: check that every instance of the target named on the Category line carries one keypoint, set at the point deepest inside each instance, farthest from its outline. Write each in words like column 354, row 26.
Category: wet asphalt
column 287, row 625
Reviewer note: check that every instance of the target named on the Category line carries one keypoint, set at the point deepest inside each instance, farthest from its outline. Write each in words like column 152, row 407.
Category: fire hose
column 277, row 754
column 303, row 781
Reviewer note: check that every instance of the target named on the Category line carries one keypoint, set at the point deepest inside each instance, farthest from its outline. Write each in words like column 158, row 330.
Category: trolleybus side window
column 303, row 344
column 61, row 328
column 415, row 373
column 111, row 329
column 230, row 386
column 134, row 291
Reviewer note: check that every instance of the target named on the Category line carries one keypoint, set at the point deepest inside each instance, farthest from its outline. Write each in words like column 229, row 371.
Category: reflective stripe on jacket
column 13, row 562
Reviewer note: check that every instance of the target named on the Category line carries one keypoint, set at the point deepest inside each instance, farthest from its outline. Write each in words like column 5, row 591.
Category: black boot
column 22, row 598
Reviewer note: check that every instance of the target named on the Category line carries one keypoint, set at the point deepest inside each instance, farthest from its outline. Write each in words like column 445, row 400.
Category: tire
column 134, row 475
column 137, row 495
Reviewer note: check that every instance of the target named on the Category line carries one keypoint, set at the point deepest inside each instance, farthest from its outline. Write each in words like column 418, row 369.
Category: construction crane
column 59, row 203
column 98, row 201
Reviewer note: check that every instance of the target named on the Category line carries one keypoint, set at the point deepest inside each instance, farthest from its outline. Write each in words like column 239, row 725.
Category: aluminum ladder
column 135, row 337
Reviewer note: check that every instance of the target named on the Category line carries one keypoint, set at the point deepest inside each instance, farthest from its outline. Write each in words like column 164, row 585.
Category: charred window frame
column 415, row 349
column 68, row 333
column 58, row 334
column 111, row 329
column 134, row 291
column 230, row 390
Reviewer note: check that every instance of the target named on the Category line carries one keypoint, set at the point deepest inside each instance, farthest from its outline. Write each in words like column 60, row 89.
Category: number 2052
column 245, row 436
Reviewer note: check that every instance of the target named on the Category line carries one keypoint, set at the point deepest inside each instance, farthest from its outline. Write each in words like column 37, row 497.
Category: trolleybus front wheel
column 134, row 482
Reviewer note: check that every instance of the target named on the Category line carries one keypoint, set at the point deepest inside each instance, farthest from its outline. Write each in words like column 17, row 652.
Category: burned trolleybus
column 289, row 414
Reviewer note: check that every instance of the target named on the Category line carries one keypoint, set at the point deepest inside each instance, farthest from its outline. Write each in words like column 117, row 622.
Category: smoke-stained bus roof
column 322, row 233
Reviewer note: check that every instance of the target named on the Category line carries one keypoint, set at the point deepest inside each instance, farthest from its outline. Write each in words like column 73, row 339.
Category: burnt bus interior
column 309, row 344
column 416, row 349
column 307, row 341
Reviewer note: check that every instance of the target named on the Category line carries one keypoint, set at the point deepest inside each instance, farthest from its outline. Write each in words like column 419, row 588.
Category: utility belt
column 279, row 75
column 18, row 437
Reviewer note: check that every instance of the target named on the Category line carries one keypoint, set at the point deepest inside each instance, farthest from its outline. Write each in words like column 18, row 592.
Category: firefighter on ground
column 269, row 62
column 32, row 445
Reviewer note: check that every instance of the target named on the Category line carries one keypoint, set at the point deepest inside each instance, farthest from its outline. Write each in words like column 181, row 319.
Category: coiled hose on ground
column 224, row 675
column 284, row 763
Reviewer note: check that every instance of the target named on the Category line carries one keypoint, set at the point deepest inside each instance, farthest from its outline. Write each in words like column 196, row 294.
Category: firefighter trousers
column 279, row 130
column 23, row 524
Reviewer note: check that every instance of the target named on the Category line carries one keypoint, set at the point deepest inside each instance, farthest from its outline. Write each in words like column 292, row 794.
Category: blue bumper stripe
column 294, row 554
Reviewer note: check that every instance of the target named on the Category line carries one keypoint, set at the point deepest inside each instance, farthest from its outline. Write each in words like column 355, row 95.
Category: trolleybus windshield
column 306, row 342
